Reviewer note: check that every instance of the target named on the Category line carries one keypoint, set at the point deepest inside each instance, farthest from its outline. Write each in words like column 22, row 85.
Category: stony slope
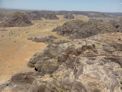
column 75, row 66
column 89, row 64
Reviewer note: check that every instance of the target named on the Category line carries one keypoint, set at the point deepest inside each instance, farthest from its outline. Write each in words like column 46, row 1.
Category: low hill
column 80, row 29
column 16, row 20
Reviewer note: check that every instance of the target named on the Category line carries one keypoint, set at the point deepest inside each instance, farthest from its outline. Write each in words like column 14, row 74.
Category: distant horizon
column 64, row 5
column 55, row 10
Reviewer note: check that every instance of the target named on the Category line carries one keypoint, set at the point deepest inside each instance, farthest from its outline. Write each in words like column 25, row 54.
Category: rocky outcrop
column 2, row 16
column 37, row 15
column 75, row 66
column 69, row 16
column 117, row 24
column 16, row 20
column 43, row 38
column 34, row 15
column 50, row 16
column 80, row 29
column 79, row 68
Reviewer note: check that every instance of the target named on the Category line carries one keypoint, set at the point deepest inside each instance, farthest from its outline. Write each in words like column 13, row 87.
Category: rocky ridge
column 90, row 64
